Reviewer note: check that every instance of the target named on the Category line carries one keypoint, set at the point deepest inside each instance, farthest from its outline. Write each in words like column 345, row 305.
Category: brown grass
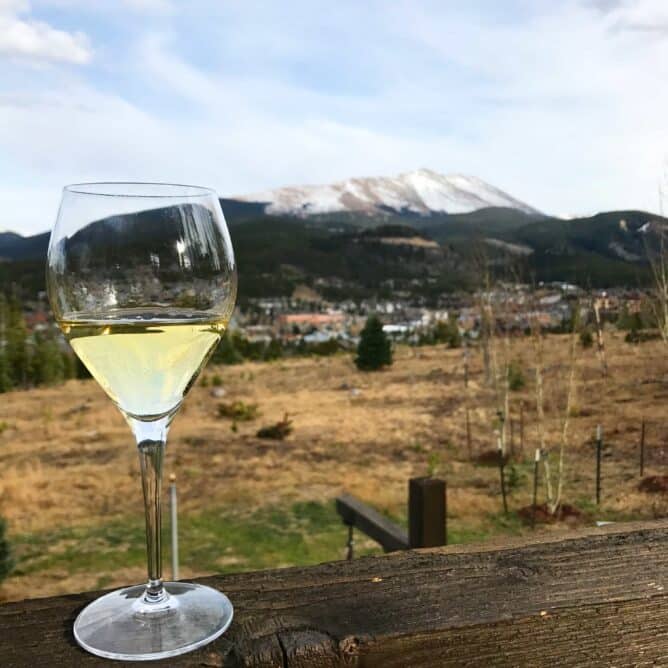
column 67, row 457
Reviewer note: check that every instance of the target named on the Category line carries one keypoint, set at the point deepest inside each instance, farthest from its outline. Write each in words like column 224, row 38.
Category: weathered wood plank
column 576, row 600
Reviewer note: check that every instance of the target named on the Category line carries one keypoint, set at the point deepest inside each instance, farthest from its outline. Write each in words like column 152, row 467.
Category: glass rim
column 139, row 189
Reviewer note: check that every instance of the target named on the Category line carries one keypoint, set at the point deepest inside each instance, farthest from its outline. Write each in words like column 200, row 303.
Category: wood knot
column 212, row 660
column 349, row 645
column 517, row 569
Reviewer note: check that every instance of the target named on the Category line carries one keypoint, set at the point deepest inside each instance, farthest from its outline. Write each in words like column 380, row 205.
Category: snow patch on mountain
column 420, row 192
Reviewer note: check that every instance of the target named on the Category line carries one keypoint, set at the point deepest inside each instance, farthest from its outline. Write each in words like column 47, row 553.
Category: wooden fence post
column 599, row 445
column 426, row 512
column 522, row 429
column 535, row 487
column 466, row 366
column 468, row 417
column 642, row 449
column 502, row 475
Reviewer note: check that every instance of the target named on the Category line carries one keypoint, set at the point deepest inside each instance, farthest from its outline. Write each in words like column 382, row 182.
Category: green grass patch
column 220, row 541
column 461, row 532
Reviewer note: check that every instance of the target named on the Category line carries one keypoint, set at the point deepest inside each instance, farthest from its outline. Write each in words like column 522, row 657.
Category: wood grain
column 592, row 598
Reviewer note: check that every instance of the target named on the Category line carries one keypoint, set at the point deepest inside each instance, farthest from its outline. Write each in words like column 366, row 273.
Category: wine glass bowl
column 162, row 246
column 142, row 281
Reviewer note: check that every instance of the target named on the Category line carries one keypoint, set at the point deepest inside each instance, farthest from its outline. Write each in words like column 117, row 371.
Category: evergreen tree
column 273, row 351
column 6, row 561
column 516, row 379
column 226, row 352
column 447, row 331
column 48, row 365
column 69, row 364
column 586, row 338
column 6, row 381
column 374, row 350
column 629, row 321
column 16, row 334
column 25, row 359
column 5, row 373
column 4, row 316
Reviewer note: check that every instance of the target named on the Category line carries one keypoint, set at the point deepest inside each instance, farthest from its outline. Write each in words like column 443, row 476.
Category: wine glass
column 142, row 281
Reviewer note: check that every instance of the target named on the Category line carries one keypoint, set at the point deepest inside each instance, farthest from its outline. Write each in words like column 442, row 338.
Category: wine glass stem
column 150, row 459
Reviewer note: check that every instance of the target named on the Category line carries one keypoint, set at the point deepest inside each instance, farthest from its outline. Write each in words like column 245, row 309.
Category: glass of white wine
column 142, row 281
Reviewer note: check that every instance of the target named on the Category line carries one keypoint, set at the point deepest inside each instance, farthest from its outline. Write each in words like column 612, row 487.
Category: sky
column 564, row 104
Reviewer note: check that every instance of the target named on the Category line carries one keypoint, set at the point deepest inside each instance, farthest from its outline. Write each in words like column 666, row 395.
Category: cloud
column 643, row 16
column 552, row 102
column 111, row 7
column 28, row 39
column 158, row 6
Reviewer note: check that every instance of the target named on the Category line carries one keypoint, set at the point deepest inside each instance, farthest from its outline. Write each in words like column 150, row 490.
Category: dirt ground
column 67, row 457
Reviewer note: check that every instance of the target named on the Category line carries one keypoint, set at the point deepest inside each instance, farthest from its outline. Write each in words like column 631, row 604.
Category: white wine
column 145, row 365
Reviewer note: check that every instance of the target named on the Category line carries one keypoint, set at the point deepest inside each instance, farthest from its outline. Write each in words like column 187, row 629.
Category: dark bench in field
column 587, row 598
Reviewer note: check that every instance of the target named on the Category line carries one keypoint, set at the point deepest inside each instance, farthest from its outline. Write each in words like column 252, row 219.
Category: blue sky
column 562, row 104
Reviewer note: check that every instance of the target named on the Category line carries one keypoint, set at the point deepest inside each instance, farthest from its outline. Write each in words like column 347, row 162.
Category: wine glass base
column 119, row 625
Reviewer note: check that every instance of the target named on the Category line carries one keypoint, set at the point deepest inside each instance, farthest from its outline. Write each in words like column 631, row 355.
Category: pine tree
column 69, row 364
column 48, row 365
column 16, row 334
column 273, row 351
column 374, row 350
column 226, row 352
column 4, row 316
column 5, row 373
column 6, row 561
column 447, row 331
column 6, row 382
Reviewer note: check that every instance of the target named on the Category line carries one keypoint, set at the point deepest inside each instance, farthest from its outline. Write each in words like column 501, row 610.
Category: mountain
column 360, row 254
column 277, row 254
column 16, row 247
column 419, row 233
column 419, row 193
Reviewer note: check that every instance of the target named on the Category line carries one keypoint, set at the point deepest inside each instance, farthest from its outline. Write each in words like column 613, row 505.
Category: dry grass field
column 69, row 480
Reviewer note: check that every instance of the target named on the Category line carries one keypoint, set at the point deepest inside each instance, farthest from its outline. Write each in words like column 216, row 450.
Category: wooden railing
column 426, row 518
column 588, row 598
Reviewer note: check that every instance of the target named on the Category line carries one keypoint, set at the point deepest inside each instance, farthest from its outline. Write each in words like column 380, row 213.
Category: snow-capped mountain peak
column 422, row 192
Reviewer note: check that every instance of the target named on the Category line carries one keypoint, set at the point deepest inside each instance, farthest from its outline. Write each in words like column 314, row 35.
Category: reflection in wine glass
column 142, row 281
